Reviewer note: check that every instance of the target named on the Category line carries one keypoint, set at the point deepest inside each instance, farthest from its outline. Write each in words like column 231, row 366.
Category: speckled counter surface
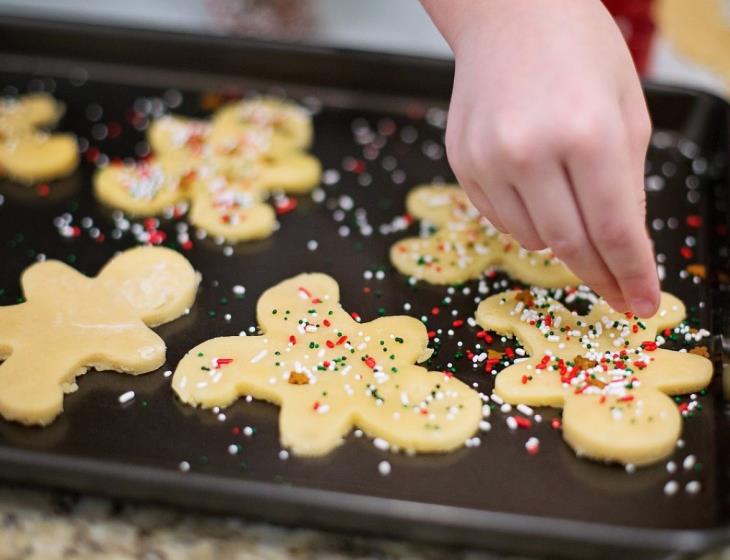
column 43, row 525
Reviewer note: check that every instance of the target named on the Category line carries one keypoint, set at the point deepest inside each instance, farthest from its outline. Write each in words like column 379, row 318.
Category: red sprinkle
column 285, row 205
column 555, row 424
column 523, row 422
column 292, row 340
column 694, row 221
column 457, row 323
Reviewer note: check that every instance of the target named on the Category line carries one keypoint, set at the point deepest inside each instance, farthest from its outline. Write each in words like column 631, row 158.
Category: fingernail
column 643, row 307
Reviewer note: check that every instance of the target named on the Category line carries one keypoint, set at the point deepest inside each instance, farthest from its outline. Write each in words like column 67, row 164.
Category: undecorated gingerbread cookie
column 330, row 373
column 464, row 245
column 70, row 323
column 28, row 153
column 603, row 368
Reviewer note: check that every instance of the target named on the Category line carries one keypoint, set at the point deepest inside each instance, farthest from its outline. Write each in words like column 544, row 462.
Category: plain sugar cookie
column 462, row 245
column 329, row 373
column 70, row 323
column 603, row 368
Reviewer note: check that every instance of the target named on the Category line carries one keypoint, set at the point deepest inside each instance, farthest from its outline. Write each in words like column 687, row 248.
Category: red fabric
column 634, row 18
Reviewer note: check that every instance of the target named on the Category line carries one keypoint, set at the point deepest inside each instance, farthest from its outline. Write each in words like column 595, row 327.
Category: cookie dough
column 145, row 187
column 71, row 323
column 463, row 245
column 28, row 153
column 329, row 374
column 604, row 368
column 291, row 123
column 226, row 167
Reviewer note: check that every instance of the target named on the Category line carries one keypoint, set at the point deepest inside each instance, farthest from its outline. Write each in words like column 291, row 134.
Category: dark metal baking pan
column 496, row 495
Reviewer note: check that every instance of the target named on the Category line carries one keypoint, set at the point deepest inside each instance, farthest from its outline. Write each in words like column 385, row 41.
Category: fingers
column 515, row 217
column 605, row 187
column 560, row 225
column 481, row 201
column 638, row 134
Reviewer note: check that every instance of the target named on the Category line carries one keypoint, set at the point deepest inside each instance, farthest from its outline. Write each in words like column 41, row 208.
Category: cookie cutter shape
column 28, row 153
column 71, row 323
column 603, row 368
column 464, row 245
column 330, row 373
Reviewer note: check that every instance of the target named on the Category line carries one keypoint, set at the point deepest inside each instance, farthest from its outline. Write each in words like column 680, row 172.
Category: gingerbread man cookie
column 71, row 323
column 27, row 153
column 226, row 168
column 290, row 123
column 464, row 245
column 603, row 368
column 329, row 373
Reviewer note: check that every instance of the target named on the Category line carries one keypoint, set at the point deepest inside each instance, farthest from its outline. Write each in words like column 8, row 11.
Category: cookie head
column 158, row 283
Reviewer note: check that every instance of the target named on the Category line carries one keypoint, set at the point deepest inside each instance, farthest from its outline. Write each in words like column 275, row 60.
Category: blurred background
column 677, row 41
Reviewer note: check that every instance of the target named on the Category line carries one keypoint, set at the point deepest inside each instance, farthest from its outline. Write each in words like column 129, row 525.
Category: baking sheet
column 497, row 486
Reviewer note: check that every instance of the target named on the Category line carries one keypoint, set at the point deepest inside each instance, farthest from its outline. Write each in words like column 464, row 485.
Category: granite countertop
column 45, row 525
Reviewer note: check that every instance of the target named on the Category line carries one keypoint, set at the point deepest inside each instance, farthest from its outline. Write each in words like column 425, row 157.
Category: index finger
column 604, row 186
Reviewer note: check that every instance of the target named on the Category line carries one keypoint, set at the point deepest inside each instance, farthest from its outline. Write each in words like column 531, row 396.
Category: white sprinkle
column 689, row 462
column 693, row 487
column 485, row 426
column 384, row 468
column 232, row 449
column 283, row 454
column 260, row 356
column 630, row 468
column 312, row 244
column 167, row 373
column 126, row 397
column 511, row 423
column 381, row 444
column 671, row 487
column 184, row 466
column 248, row 431
column 506, row 408
column 357, row 433
column 671, row 467
column 239, row 290
column 524, row 409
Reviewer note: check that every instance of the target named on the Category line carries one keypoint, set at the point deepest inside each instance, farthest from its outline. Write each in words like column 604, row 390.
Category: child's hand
column 547, row 133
